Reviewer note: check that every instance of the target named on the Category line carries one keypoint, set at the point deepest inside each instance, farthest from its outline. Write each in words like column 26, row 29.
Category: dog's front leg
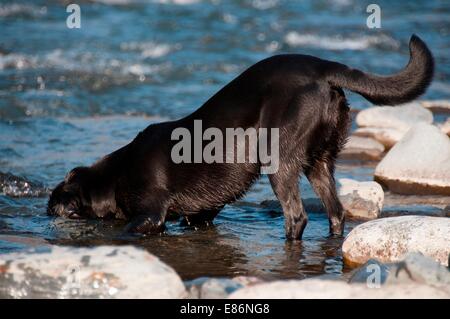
column 149, row 218
column 147, row 224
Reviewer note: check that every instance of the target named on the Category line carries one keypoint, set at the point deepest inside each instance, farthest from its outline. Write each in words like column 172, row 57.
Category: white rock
column 418, row 164
column 323, row 289
column 439, row 106
column 386, row 136
column 390, row 239
column 361, row 199
column 100, row 272
column 362, row 148
column 398, row 117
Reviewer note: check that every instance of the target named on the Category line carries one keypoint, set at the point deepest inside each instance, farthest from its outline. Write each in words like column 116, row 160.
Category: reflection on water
column 244, row 241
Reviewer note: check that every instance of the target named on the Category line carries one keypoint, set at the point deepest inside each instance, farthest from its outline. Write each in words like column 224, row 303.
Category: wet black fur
column 301, row 95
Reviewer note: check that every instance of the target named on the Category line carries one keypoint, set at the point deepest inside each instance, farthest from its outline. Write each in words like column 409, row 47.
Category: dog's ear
column 77, row 172
column 102, row 200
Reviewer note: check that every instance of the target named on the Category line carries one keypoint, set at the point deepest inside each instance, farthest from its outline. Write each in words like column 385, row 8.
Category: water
column 67, row 97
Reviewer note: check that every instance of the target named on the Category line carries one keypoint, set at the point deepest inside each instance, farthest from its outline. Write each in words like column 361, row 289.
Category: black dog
column 301, row 95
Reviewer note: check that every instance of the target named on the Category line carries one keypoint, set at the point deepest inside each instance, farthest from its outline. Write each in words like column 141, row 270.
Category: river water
column 70, row 96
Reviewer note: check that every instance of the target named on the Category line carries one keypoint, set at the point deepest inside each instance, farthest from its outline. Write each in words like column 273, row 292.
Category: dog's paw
column 337, row 230
column 337, row 226
column 145, row 225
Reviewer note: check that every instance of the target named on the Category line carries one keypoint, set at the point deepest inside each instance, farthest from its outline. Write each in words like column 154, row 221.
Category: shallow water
column 67, row 97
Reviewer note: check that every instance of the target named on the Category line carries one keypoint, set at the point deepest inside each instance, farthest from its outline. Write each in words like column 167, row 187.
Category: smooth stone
column 418, row 164
column 415, row 268
column 386, row 136
column 400, row 117
column 324, row 289
column 420, row 269
column 391, row 239
column 361, row 199
column 438, row 106
column 362, row 148
column 100, row 272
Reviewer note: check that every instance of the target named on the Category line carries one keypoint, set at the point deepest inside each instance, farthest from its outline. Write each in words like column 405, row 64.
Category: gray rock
column 361, row 199
column 418, row 164
column 420, row 269
column 391, row 239
column 100, row 272
column 414, row 269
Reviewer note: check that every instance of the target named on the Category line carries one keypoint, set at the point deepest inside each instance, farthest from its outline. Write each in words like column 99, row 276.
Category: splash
column 14, row 10
column 360, row 43
column 15, row 186
column 149, row 49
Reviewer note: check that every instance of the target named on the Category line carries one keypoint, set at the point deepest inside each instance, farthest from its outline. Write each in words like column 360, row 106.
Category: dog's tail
column 400, row 88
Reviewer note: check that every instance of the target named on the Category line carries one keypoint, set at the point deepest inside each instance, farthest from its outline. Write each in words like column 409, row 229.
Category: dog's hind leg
column 285, row 187
column 320, row 175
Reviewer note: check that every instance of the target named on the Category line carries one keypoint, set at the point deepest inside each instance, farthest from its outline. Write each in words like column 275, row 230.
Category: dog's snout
column 57, row 209
column 72, row 214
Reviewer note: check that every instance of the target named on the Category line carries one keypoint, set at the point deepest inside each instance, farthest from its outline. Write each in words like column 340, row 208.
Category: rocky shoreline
column 104, row 272
column 417, row 161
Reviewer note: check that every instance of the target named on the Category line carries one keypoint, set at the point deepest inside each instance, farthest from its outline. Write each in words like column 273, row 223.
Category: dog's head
column 68, row 199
